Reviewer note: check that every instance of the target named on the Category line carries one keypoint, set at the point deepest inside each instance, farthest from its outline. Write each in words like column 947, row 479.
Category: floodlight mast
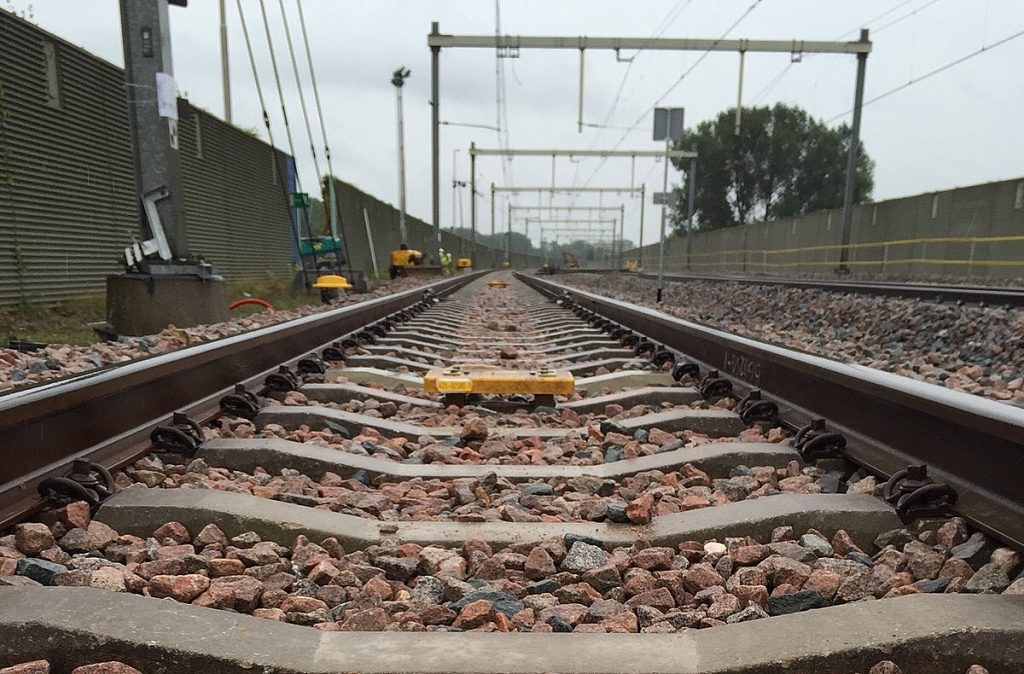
column 398, row 79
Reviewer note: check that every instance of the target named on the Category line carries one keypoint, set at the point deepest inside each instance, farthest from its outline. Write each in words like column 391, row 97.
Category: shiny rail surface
column 973, row 444
column 106, row 415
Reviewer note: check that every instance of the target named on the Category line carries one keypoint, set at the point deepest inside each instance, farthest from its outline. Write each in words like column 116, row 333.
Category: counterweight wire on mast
column 270, row 134
column 330, row 197
column 287, row 132
column 302, row 96
column 316, row 90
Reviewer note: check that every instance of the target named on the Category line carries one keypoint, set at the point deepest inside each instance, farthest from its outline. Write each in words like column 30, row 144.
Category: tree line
column 782, row 163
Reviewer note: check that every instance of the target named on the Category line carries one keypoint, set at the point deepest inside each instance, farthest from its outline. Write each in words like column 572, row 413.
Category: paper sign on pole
column 166, row 96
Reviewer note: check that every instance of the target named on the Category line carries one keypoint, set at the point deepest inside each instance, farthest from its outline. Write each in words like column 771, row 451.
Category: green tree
column 782, row 163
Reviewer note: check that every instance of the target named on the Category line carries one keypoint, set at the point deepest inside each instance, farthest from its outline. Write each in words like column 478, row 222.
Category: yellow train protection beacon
column 456, row 382
column 330, row 286
column 332, row 281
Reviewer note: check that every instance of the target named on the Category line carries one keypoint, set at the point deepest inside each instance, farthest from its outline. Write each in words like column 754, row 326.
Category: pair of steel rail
column 887, row 423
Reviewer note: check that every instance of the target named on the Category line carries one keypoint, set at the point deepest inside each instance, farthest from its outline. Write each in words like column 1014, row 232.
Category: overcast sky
column 961, row 127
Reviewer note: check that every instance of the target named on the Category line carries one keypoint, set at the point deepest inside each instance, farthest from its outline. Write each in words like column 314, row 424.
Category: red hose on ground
column 250, row 300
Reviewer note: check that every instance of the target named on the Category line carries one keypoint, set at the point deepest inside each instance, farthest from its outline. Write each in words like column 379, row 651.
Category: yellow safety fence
column 758, row 258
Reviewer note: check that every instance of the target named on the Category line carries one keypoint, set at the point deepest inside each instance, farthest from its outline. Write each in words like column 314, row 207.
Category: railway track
column 702, row 503
column 965, row 293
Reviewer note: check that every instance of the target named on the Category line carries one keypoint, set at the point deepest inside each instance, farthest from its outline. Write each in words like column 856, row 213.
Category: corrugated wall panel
column 68, row 205
column 67, row 190
column 237, row 216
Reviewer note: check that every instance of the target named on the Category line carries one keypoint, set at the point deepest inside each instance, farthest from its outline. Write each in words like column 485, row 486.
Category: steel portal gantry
column 568, row 190
column 510, row 45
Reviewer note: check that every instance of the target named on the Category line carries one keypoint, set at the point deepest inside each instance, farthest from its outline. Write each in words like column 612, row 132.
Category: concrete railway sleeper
column 663, row 518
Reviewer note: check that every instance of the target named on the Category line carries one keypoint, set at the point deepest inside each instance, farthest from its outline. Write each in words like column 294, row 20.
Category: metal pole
column 225, row 74
column 401, row 167
column 369, row 239
column 640, row 245
column 851, row 159
column 579, row 122
column 739, row 95
column 153, row 119
column 455, row 153
column 622, row 233
column 690, row 207
column 494, row 247
column 435, row 135
column 664, row 209
column 508, row 236
column 551, row 201
column 472, row 201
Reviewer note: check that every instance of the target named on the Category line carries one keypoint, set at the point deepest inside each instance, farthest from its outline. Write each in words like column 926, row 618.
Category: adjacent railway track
column 988, row 295
column 703, row 503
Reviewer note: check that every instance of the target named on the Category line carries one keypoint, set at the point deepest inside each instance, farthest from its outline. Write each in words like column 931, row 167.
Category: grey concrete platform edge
column 273, row 454
column 714, row 422
column 926, row 634
column 139, row 511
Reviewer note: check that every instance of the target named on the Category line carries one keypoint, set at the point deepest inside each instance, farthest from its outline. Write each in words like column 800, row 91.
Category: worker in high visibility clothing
column 402, row 258
column 446, row 262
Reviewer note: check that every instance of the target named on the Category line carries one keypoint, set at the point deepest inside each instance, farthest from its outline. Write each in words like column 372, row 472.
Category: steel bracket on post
column 139, row 251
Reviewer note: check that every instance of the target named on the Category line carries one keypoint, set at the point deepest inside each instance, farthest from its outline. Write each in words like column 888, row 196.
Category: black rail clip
column 86, row 481
column 241, row 403
column 645, row 346
column 753, row 409
column 814, row 441
column 311, row 364
column 915, row 495
column 333, row 353
column 686, row 368
column 183, row 436
column 282, row 381
column 364, row 337
column 662, row 356
column 714, row 386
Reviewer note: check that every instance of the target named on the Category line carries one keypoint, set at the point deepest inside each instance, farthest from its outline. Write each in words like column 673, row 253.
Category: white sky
column 961, row 127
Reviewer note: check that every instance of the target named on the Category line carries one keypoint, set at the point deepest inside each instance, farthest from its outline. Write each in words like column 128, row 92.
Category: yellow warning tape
column 871, row 244
column 757, row 258
column 832, row 263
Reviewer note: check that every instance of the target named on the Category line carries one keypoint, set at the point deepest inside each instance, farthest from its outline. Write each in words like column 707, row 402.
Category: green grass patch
column 68, row 322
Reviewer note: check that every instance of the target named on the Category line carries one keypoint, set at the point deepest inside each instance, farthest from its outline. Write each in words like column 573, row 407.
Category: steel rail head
column 107, row 416
column 887, row 421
